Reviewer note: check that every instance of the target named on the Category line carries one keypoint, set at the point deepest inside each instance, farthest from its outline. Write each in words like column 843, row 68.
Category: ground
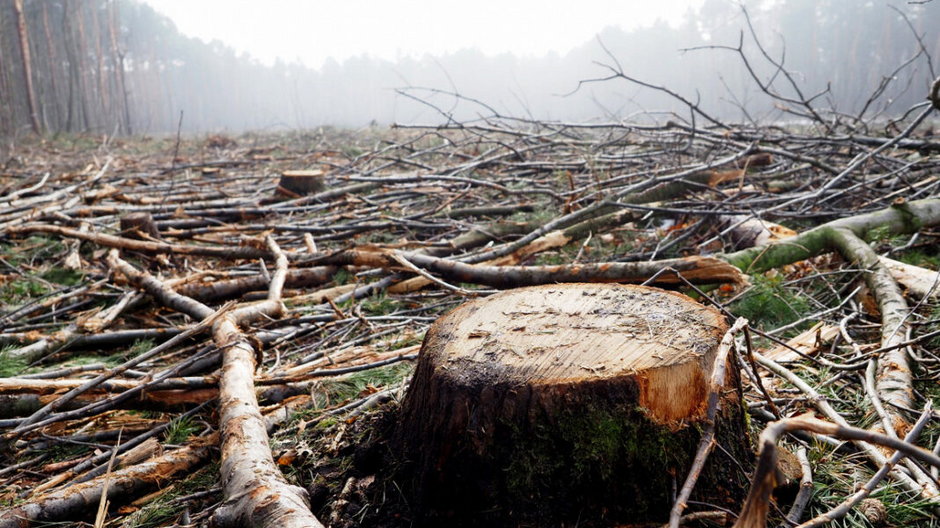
column 219, row 191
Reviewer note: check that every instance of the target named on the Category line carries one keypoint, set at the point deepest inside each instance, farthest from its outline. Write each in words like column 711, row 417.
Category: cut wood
column 567, row 402
column 80, row 500
column 139, row 225
column 296, row 183
column 808, row 342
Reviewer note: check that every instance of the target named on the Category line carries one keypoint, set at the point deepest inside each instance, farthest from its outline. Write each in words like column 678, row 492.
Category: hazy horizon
column 312, row 33
column 113, row 66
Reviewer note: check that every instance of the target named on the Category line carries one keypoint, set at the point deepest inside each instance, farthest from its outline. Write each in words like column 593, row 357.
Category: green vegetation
column 10, row 366
column 180, row 430
column 835, row 472
column 341, row 277
column 33, row 248
column 19, row 291
column 380, row 304
column 769, row 304
column 165, row 508
column 332, row 392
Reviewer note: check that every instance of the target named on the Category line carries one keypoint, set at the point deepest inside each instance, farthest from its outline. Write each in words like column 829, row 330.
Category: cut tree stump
column 568, row 403
column 139, row 226
column 296, row 183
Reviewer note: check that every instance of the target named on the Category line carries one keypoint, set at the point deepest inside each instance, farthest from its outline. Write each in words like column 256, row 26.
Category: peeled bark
column 569, row 402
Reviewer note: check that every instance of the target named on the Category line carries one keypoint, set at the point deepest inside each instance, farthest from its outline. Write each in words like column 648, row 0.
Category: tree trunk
column 117, row 58
column 55, row 106
column 83, row 85
column 568, row 403
column 27, row 65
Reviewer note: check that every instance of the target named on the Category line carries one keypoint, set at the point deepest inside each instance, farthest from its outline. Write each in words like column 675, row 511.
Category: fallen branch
column 256, row 493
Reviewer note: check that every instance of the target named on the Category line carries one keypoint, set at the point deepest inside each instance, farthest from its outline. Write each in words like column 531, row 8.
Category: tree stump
column 568, row 403
column 140, row 226
column 296, row 183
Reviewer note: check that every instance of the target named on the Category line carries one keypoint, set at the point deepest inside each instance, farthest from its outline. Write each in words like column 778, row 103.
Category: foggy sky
column 312, row 31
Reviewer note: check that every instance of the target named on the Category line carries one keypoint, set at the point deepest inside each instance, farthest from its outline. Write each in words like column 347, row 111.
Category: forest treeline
column 119, row 67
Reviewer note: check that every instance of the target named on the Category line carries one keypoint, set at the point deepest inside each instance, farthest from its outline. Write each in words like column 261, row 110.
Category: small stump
column 568, row 403
column 298, row 183
column 140, row 226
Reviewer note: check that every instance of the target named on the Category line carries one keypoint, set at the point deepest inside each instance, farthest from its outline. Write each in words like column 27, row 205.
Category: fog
column 121, row 66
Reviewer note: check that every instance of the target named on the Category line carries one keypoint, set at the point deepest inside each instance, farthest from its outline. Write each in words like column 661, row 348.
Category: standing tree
column 27, row 67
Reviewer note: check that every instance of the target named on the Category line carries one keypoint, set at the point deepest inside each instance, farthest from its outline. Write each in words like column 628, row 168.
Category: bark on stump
column 568, row 403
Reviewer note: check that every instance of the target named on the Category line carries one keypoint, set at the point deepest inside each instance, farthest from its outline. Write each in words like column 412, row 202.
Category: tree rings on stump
column 296, row 183
column 572, row 402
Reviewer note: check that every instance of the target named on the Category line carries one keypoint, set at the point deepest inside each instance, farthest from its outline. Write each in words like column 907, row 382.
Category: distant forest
column 118, row 67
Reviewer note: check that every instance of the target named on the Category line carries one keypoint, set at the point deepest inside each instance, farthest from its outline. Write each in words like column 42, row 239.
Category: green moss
column 21, row 290
column 801, row 247
column 63, row 276
column 139, row 347
column 341, row 277
column 921, row 257
column 588, row 450
column 32, row 248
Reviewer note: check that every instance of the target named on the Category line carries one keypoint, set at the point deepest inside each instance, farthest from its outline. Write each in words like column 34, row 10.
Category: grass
column 139, row 347
column 341, row 277
column 21, row 290
column 34, row 283
column 10, row 366
column 380, row 304
column 180, row 430
column 769, row 304
column 33, row 248
column 333, row 392
column 164, row 509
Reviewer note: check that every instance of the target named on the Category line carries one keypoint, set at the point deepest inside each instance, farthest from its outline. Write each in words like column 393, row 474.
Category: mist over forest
column 120, row 67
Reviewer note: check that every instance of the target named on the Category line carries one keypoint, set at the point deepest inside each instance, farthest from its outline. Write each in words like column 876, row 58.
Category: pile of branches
column 217, row 302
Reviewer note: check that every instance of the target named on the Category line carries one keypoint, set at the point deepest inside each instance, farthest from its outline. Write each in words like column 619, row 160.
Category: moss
column 590, row 451
column 801, row 247
column 341, row 277
column 34, row 247
column 63, row 276
column 21, row 290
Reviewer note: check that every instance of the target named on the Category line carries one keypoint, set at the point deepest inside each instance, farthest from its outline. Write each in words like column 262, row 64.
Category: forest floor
column 368, row 272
